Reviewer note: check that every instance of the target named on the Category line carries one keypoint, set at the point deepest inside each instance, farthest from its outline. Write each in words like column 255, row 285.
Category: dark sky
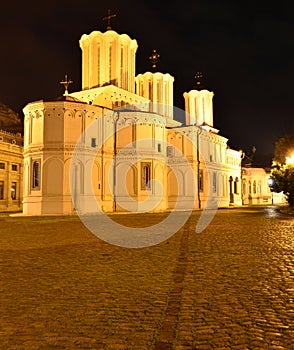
column 245, row 49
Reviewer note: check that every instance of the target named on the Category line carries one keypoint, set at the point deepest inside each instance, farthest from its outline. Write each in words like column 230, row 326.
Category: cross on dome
column 108, row 19
column 66, row 82
column 154, row 59
column 199, row 77
column 199, row 81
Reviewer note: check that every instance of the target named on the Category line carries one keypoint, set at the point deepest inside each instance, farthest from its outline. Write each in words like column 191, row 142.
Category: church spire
column 108, row 19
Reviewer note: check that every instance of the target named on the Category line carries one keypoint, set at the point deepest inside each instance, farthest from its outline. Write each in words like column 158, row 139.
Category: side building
column 11, row 160
column 256, row 189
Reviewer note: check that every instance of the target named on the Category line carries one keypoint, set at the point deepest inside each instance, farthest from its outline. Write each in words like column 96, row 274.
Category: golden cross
column 108, row 18
column 154, row 58
column 66, row 83
column 198, row 77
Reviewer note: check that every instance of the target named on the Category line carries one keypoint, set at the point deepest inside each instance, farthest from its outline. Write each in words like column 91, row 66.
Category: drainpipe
column 199, row 131
column 102, row 182
column 241, row 177
column 102, row 191
column 114, row 163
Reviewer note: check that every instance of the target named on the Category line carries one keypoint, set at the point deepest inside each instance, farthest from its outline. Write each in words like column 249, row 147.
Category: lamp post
column 271, row 183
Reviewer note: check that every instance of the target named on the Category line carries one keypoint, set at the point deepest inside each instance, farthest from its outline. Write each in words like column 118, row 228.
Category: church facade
column 11, row 167
column 116, row 144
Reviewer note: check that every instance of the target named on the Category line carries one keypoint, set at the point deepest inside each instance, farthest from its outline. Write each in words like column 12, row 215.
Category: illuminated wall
column 255, row 188
column 11, row 171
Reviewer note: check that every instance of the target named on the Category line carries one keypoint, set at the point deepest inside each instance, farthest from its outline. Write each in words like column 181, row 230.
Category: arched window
column 166, row 102
column 110, row 62
column 150, row 91
column 146, row 176
column 254, row 186
column 36, row 175
column 259, row 187
column 122, row 66
column 201, row 184
column 214, row 182
column 98, row 70
column 1, row 190
column 203, row 109
column 231, row 189
column 244, row 187
column 236, row 189
column 158, row 92
column 13, row 190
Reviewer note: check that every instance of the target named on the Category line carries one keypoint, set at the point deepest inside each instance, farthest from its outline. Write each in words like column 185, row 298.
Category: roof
column 67, row 98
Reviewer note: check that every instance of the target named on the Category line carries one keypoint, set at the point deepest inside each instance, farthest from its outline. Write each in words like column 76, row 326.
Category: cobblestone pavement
column 229, row 287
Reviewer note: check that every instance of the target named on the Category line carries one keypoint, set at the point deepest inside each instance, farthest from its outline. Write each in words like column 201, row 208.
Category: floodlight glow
column 290, row 160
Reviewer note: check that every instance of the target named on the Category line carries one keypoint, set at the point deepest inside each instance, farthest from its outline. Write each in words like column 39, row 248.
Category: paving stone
column 229, row 287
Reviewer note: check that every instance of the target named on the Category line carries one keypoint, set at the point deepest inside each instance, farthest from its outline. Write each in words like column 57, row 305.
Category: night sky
column 245, row 49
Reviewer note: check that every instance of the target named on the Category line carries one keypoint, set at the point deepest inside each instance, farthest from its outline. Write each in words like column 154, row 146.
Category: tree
column 283, row 169
column 284, row 147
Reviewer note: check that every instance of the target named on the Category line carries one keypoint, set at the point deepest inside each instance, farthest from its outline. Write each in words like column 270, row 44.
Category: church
column 116, row 145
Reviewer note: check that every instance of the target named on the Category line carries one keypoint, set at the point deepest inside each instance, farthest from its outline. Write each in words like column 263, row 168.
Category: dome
column 9, row 119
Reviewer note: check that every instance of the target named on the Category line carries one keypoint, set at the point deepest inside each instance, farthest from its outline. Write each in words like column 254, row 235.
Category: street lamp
column 290, row 160
column 271, row 182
